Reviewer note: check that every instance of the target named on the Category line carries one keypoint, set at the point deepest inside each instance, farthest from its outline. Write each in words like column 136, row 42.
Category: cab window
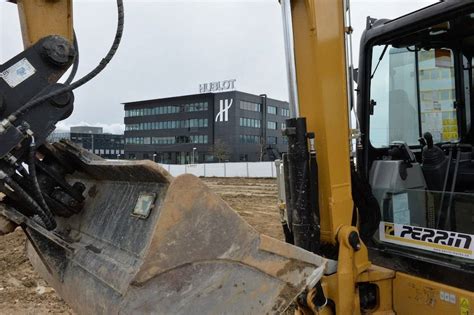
column 412, row 92
column 421, row 140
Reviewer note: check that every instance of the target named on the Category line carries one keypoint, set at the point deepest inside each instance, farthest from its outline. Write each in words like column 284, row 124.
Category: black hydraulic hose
column 320, row 299
column 27, row 198
column 453, row 188
column 104, row 62
column 445, row 185
column 36, row 187
column 75, row 65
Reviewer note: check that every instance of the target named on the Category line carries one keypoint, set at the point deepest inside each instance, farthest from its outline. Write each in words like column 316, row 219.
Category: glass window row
column 272, row 125
column 199, row 139
column 271, row 110
column 436, row 74
column 254, row 107
column 250, row 122
column 438, row 95
column 164, row 110
column 175, row 124
column 272, row 140
column 249, row 139
column 285, row 112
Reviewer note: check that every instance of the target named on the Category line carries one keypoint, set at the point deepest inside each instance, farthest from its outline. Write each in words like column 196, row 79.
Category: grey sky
column 171, row 46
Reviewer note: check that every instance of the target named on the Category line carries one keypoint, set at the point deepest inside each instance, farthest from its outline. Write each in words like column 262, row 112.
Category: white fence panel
column 215, row 170
column 196, row 170
column 263, row 169
column 243, row 169
column 177, row 170
column 236, row 170
column 274, row 170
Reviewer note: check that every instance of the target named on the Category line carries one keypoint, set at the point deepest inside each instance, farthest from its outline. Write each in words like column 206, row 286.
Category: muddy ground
column 22, row 291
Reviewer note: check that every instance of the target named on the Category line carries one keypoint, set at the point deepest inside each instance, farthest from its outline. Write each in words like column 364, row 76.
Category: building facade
column 105, row 145
column 201, row 128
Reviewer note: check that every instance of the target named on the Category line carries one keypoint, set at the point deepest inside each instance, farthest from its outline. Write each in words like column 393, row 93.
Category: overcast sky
column 170, row 46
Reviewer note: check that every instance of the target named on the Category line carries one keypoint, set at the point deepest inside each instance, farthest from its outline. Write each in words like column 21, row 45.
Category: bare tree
column 220, row 150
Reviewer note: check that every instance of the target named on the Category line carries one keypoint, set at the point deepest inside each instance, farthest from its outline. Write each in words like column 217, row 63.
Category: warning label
column 18, row 73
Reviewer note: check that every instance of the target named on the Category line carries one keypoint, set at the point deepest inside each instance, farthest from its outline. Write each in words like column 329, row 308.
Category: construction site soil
column 22, row 291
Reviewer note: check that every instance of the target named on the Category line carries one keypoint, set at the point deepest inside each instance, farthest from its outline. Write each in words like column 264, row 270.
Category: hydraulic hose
column 101, row 66
column 75, row 65
column 48, row 224
column 36, row 187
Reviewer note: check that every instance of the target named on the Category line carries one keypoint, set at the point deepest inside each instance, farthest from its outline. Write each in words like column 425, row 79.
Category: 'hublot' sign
column 217, row 86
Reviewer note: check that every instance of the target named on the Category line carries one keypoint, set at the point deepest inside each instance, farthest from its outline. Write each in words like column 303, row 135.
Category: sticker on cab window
column 438, row 241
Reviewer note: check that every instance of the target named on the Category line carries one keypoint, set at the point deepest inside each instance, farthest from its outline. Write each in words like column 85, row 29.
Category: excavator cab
column 416, row 108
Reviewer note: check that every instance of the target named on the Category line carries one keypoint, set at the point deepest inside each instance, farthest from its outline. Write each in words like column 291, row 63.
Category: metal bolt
column 61, row 100
column 58, row 50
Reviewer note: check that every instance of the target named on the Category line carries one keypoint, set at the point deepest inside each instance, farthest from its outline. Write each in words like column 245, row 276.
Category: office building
column 210, row 127
column 105, row 145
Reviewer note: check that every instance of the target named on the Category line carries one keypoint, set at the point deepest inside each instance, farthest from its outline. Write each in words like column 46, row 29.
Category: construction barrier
column 242, row 169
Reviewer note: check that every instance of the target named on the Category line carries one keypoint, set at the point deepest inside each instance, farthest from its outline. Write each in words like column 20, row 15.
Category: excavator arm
column 33, row 15
column 39, row 19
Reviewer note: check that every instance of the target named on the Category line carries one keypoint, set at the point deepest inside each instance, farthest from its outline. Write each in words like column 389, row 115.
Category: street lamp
column 154, row 157
column 194, row 150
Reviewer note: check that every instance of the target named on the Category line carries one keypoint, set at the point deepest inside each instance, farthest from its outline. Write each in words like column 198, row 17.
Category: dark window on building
column 138, row 140
column 249, row 139
column 271, row 140
column 271, row 125
column 163, row 140
column 250, row 122
column 165, row 110
column 201, row 139
column 183, row 139
column 174, row 124
column 271, row 110
column 254, row 107
column 243, row 157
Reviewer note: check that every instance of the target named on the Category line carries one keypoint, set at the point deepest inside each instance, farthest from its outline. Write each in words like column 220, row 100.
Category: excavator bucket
column 148, row 243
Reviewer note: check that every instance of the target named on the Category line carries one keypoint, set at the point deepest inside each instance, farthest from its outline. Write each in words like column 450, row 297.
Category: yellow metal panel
column 412, row 295
column 41, row 18
column 322, row 89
